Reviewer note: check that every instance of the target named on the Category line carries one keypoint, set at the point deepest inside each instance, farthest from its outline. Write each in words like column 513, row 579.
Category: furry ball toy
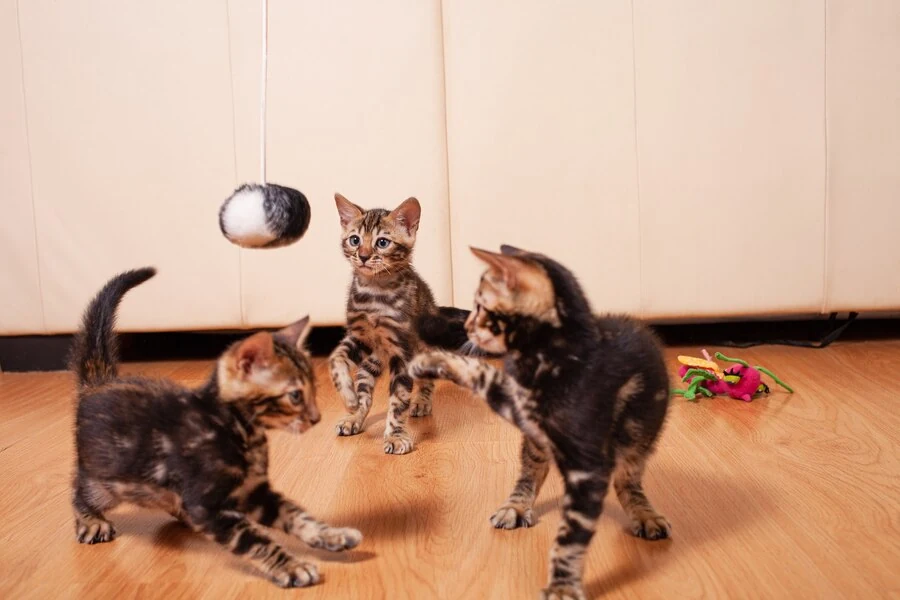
column 264, row 216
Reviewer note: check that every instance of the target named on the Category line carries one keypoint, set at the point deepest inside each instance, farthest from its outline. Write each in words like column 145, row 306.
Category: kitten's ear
column 254, row 352
column 295, row 334
column 512, row 250
column 507, row 266
column 347, row 210
column 407, row 215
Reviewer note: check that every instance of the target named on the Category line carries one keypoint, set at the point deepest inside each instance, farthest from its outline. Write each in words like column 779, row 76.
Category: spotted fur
column 199, row 454
column 590, row 392
column 386, row 300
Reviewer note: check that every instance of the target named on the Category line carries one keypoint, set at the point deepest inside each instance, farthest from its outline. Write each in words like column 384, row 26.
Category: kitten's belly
column 149, row 496
column 382, row 333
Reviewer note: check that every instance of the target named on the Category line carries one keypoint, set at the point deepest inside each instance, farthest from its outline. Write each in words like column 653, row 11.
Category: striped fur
column 590, row 392
column 199, row 454
column 386, row 299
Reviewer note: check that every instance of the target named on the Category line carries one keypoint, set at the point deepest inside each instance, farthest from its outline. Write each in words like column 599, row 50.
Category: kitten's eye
column 383, row 243
column 353, row 240
column 296, row 397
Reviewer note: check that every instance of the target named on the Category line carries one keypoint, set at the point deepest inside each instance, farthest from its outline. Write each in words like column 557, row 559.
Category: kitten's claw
column 654, row 527
column 399, row 443
column 420, row 409
column 94, row 531
column 563, row 592
column 296, row 574
column 428, row 366
column 510, row 516
column 348, row 425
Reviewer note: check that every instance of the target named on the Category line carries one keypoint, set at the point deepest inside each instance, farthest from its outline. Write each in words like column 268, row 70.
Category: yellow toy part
column 702, row 363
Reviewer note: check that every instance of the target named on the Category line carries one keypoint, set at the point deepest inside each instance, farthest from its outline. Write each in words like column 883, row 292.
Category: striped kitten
column 591, row 393
column 387, row 298
column 199, row 454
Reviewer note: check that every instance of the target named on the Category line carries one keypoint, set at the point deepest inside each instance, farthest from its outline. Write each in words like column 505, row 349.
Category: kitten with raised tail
column 589, row 392
column 386, row 301
column 199, row 454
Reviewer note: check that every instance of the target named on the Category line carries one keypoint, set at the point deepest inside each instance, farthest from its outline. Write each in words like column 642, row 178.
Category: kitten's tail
column 95, row 353
column 445, row 329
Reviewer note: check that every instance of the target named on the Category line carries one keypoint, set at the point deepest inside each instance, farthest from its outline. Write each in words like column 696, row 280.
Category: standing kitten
column 387, row 298
column 199, row 454
column 590, row 392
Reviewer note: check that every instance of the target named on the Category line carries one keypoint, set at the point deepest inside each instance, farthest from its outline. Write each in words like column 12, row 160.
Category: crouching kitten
column 199, row 454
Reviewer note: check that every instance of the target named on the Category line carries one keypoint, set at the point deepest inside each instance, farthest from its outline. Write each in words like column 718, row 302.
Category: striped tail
column 445, row 329
column 95, row 353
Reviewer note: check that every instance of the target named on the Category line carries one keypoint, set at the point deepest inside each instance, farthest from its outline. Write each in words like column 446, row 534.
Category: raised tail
column 445, row 329
column 95, row 353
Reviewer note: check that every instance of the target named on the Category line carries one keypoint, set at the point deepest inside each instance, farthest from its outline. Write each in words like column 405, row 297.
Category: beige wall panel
column 540, row 112
column 132, row 138
column 355, row 105
column 731, row 151
column 863, row 111
column 20, row 291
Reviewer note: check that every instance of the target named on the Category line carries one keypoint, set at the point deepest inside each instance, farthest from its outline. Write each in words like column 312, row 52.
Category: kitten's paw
column 420, row 409
column 296, row 574
column 338, row 539
column 398, row 443
column 94, row 531
column 349, row 425
column 651, row 527
column 429, row 366
column 563, row 592
column 511, row 516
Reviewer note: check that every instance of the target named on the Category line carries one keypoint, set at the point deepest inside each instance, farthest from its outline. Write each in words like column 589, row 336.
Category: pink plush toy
column 741, row 381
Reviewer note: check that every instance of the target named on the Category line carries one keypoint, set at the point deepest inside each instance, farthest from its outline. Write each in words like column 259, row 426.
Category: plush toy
column 705, row 376
column 264, row 216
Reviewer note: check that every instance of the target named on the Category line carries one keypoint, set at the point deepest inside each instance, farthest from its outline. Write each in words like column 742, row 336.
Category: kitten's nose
column 364, row 257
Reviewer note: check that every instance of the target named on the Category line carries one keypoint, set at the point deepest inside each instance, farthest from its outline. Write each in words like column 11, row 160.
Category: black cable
column 825, row 341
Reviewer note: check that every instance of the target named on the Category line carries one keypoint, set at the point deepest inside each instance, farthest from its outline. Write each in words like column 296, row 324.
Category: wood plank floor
column 786, row 497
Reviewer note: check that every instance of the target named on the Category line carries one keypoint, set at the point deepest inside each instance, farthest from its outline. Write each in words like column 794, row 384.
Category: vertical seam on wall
column 37, row 252
column 240, row 252
column 637, row 165
column 825, row 135
column 447, row 155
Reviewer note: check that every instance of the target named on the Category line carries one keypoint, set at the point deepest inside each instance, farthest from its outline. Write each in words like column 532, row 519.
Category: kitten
column 590, row 392
column 199, row 454
column 386, row 301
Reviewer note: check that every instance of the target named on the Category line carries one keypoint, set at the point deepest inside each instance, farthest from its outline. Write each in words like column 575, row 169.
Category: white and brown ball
column 264, row 216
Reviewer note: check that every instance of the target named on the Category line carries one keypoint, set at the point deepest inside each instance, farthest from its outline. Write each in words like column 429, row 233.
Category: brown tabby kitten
column 386, row 299
column 201, row 454
column 590, row 392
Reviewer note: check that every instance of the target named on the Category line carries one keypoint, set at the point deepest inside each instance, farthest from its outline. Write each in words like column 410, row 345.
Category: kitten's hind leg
column 517, row 511
column 369, row 370
column 421, row 404
column 645, row 521
column 582, row 505
column 244, row 538
column 90, row 499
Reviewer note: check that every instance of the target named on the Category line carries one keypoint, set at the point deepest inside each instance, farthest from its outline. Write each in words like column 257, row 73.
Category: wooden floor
column 786, row 497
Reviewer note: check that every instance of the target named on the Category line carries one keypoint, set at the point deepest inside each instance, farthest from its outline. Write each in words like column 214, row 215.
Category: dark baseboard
column 49, row 353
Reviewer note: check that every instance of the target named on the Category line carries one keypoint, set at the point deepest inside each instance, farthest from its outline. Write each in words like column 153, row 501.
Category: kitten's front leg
column 346, row 356
column 269, row 508
column 396, row 437
column 582, row 505
column 369, row 370
column 517, row 511
column 503, row 393
column 244, row 538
